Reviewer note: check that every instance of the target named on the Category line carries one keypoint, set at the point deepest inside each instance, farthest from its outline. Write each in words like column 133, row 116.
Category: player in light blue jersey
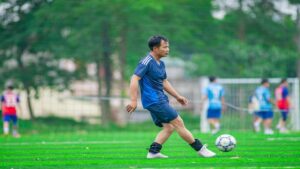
column 214, row 92
column 151, row 76
column 265, row 112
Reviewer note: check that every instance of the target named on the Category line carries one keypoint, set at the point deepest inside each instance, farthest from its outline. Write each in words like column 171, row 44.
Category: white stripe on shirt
column 146, row 60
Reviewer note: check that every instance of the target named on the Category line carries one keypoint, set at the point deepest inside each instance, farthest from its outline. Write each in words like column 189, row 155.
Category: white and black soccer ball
column 225, row 142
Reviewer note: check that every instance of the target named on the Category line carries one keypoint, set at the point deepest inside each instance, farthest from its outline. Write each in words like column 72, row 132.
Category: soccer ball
column 225, row 142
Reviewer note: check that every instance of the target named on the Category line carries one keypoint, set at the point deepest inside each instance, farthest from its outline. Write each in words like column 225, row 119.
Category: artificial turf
column 127, row 149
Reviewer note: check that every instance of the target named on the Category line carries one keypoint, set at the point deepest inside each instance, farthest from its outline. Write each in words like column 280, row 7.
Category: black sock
column 197, row 145
column 155, row 148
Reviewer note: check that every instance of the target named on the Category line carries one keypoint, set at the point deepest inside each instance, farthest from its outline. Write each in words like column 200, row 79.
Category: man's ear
column 155, row 48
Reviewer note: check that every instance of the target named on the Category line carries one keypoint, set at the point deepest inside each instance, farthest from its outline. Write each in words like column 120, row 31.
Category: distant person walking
column 9, row 104
column 150, row 75
column 265, row 112
column 283, row 104
column 214, row 93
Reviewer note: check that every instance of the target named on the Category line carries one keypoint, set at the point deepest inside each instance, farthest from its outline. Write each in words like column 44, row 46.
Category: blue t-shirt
column 152, row 74
column 263, row 96
column 214, row 93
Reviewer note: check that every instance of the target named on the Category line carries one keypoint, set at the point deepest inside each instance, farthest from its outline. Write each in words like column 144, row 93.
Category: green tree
column 31, row 64
column 257, row 35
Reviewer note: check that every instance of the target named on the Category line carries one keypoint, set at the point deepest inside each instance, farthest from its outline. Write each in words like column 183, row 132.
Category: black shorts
column 162, row 113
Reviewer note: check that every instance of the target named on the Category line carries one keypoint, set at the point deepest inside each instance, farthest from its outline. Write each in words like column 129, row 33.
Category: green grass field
column 127, row 149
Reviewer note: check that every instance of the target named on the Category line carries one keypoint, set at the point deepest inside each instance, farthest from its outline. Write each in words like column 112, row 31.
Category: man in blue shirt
column 214, row 92
column 265, row 112
column 151, row 76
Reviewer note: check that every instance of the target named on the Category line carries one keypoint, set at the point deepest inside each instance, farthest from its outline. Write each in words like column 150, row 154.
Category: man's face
column 163, row 49
column 267, row 84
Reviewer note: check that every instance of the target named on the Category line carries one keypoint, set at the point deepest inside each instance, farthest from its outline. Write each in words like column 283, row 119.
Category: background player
column 265, row 111
column 283, row 104
column 9, row 103
column 214, row 92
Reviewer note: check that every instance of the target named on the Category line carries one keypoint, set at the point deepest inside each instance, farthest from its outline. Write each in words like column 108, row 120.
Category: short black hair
column 212, row 78
column 155, row 41
column 10, row 87
column 264, row 80
column 283, row 80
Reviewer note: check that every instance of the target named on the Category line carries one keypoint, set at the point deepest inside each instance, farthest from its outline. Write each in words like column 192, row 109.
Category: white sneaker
column 284, row 130
column 278, row 126
column 256, row 128
column 16, row 135
column 156, row 155
column 269, row 131
column 204, row 152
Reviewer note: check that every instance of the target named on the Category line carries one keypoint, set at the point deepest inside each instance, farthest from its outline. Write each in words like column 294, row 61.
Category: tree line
column 254, row 39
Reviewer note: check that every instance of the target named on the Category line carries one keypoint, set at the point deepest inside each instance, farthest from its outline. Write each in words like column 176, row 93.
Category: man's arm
column 169, row 88
column 133, row 91
column 224, row 106
column 1, row 103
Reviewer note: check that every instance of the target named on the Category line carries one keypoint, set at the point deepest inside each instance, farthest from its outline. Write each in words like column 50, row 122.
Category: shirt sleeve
column 2, row 99
column 141, row 70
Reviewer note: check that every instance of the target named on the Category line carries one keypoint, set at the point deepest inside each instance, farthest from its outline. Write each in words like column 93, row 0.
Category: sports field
column 128, row 150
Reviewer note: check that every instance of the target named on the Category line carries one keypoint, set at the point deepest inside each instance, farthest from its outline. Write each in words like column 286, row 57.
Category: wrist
column 178, row 97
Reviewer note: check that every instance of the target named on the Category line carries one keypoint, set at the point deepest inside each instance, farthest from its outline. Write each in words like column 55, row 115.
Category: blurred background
column 73, row 58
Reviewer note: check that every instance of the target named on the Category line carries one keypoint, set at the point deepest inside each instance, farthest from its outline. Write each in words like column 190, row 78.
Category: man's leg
column 279, row 124
column 183, row 132
column 15, row 127
column 161, row 138
column 256, row 121
column 5, row 127
column 268, row 117
column 211, row 123
column 186, row 135
column 283, row 128
column 216, row 125
column 165, row 133
column 6, row 119
column 267, row 125
column 15, row 131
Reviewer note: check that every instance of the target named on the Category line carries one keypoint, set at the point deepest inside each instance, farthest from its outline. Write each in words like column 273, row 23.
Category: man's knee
column 169, row 128
column 177, row 123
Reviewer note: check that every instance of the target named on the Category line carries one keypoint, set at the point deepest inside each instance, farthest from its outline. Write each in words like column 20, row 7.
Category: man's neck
column 157, row 58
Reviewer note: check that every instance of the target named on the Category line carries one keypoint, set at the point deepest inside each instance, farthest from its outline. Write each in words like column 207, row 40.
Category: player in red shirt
column 9, row 103
column 283, row 104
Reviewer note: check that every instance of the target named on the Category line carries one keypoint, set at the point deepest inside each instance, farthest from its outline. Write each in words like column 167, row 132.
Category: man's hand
column 224, row 108
column 131, row 107
column 182, row 100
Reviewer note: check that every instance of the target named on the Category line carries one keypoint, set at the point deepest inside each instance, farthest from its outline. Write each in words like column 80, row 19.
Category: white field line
column 65, row 143
column 272, row 167
column 282, row 167
column 284, row 138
